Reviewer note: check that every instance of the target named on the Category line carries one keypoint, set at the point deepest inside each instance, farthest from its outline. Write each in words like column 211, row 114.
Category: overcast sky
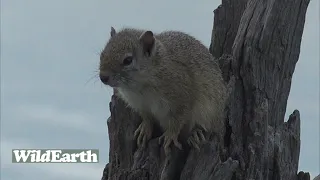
column 50, row 50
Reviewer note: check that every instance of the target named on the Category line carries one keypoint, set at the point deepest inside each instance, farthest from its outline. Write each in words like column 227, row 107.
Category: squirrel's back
column 206, row 77
column 188, row 51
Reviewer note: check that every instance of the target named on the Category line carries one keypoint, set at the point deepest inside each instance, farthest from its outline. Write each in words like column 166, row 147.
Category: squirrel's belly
column 133, row 99
column 146, row 102
column 159, row 109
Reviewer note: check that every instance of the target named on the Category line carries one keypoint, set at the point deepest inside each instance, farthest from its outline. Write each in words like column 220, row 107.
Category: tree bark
column 257, row 44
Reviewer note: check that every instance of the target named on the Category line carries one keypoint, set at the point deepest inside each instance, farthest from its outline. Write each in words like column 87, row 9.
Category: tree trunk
column 257, row 44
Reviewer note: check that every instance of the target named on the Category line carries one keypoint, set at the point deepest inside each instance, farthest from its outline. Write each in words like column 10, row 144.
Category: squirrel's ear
column 112, row 32
column 147, row 40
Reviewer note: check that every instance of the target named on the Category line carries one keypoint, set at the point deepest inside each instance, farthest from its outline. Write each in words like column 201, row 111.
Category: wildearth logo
column 55, row 155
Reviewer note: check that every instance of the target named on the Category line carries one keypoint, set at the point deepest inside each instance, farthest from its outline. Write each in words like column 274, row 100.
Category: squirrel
column 169, row 78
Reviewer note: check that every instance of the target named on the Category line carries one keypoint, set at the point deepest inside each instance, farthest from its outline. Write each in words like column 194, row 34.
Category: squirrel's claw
column 166, row 139
column 196, row 138
column 192, row 143
column 143, row 133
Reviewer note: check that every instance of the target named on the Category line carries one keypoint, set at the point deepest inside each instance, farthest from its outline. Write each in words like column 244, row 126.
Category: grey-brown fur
column 178, row 84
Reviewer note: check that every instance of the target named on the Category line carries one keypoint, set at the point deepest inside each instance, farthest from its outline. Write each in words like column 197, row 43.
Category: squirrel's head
column 127, row 56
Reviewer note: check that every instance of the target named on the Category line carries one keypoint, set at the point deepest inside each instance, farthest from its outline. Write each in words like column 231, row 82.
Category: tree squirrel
column 170, row 77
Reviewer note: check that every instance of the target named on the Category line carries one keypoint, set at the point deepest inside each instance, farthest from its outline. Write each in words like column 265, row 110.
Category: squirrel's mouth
column 113, row 85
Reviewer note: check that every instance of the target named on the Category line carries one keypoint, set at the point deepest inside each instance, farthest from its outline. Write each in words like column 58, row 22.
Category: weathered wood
column 317, row 178
column 265, row 51
column 257, row 43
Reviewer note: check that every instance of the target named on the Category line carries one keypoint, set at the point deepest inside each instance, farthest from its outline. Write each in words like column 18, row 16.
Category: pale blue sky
column 50, row 49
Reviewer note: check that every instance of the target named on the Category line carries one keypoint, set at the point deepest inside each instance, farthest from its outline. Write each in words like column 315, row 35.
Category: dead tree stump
column 257, row 44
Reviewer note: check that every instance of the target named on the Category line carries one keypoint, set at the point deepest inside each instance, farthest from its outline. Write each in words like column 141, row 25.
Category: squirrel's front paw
column 144, row 133
column 167, row 138
column 196, row 138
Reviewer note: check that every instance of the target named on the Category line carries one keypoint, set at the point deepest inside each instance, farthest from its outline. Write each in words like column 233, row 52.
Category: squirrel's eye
column 127, row 60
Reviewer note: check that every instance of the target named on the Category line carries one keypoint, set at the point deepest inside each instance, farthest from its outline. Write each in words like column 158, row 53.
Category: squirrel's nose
column 104, row 79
